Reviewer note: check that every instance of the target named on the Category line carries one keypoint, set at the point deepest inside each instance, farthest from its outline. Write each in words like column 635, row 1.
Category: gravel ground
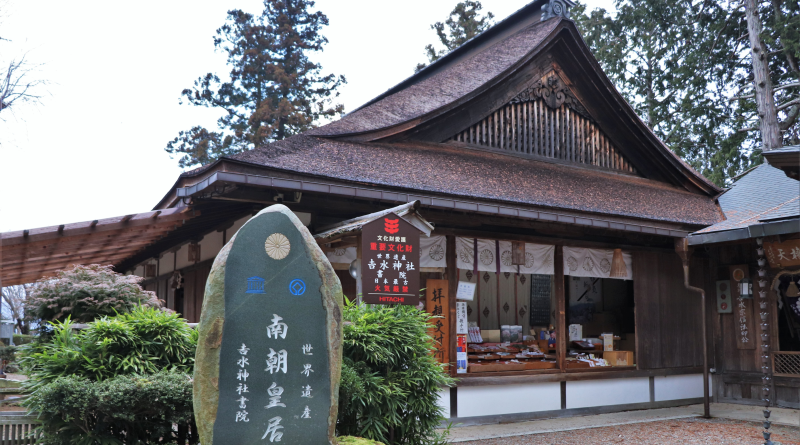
column 690, row 431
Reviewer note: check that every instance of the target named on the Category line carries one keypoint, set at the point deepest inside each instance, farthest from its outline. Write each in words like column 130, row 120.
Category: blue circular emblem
column 297, row 287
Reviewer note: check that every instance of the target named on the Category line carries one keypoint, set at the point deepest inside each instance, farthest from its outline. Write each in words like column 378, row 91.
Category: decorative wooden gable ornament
column 546, row 121
column 557, row 8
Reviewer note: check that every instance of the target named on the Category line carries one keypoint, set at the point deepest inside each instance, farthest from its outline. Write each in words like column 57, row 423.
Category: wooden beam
column 92, row 238
column 104, row 225
column 46, row 262
column 9, row 265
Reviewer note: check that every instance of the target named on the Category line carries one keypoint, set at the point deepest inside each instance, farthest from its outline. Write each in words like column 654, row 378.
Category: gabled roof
column 408, row 212
column 764, row 196
column 491, row 69
column 396, row 140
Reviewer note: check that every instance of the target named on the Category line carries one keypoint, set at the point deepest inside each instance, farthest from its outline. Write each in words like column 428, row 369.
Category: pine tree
column 773, row 31
column 675, row 64
column 463, row 24
column 274, row 90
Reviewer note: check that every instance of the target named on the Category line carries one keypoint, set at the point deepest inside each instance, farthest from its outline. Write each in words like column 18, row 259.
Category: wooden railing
column 17, row 429
column 786, row 364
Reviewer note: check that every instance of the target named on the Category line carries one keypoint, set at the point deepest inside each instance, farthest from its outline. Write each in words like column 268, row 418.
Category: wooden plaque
column 390, row 261
column 742, row 310
column 437, row 302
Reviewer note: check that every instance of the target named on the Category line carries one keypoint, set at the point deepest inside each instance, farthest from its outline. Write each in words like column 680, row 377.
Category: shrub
column 23, row 339
column 130, row 409
column 8, row 356
column 390, row 380
column 143, row 341
column 85, row 293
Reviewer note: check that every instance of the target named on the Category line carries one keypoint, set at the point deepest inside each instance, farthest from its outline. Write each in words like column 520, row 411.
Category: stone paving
column 734, row 422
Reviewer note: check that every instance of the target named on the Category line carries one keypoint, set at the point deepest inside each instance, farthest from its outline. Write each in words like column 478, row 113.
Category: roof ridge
column 770, row 210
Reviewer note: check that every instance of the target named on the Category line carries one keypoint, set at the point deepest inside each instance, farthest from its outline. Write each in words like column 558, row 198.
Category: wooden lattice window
column 546, row 120
column 786, row 363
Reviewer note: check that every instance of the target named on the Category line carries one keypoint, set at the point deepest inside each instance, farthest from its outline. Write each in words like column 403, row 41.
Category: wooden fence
column 17, row 429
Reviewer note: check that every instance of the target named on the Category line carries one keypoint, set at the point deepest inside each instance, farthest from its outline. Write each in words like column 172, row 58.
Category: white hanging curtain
column 581, row 262
column 465, row 253
column 538, row 259
column 487, row 255
column 433, row 251
column 342, row 256
column 506, row 257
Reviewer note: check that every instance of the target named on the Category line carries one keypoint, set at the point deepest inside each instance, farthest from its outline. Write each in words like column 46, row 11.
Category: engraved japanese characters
column 269, row 351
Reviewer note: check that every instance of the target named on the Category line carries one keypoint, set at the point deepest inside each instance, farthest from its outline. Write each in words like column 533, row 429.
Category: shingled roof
column 482, row 175
column 444, row 87
column 764, row 195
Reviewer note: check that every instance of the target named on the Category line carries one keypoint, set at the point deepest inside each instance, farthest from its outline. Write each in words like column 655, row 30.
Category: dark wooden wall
column 739, row 370
column 668, row 316
column 194, row 284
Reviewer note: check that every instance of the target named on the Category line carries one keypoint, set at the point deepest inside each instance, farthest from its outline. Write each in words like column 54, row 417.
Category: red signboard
column 390, row 261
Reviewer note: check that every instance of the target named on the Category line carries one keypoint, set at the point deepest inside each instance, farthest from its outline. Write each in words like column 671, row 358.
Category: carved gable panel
column 546, row 120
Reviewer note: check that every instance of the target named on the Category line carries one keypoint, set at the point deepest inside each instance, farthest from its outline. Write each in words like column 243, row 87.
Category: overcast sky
column 94, row 148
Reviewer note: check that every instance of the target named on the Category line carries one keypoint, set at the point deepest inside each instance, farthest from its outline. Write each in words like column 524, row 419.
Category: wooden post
column 359, row 284
column 452, row 278
column 561, row 339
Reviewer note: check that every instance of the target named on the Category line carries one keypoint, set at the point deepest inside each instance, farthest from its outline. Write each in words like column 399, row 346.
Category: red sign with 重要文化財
column 390, row 261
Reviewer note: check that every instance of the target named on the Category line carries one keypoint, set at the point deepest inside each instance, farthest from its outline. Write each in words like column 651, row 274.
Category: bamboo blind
column 535, row 129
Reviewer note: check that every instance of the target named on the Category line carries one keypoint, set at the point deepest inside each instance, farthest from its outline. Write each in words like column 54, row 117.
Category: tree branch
column 788, row 104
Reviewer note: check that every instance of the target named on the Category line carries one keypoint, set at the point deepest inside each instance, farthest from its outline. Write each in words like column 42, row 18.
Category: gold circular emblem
column 277, row 246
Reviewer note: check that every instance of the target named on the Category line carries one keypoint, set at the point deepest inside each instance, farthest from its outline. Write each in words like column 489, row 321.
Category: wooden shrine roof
column 408, row 212
column 28, row 255
column 482, row 175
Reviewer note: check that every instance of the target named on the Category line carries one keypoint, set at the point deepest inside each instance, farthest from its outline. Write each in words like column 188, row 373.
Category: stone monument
column 269, row 352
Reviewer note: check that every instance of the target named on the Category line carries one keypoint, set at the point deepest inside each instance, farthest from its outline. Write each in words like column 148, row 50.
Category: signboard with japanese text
column 742, row 310
column 280, row 336
column 390, row 261
column 437, row 303
column 783, row 255
column 462, row 323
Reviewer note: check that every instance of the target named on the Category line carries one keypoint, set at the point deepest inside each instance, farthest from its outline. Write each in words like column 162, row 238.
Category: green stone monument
column 269, row 352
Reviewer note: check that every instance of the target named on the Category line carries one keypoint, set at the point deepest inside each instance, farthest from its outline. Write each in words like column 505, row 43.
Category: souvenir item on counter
column 575, row 332
column 475, row 335
column 583, row 344
column 551, row 341
column 608, row 342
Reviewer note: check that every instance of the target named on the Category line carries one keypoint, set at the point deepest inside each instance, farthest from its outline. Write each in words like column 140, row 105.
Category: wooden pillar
column 561, row 332
column 452, row 278
column 359, row 282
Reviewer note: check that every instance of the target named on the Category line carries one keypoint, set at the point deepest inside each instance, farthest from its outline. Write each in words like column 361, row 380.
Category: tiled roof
column 474, row 174
column 764, row 194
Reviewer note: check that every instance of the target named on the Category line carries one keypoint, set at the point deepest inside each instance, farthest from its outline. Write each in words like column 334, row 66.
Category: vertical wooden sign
column 390, row 261
column 437, row 302
column 742, row 310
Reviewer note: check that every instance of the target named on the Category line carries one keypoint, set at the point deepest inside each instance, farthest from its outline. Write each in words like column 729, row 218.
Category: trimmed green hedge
column 129, row 409
column 23, row 339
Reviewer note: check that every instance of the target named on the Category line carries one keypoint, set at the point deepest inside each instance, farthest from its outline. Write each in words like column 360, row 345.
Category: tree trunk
column 762, row 83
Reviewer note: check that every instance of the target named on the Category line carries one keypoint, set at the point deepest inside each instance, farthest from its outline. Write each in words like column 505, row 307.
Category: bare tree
column 13, row 305
column 18, row 83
